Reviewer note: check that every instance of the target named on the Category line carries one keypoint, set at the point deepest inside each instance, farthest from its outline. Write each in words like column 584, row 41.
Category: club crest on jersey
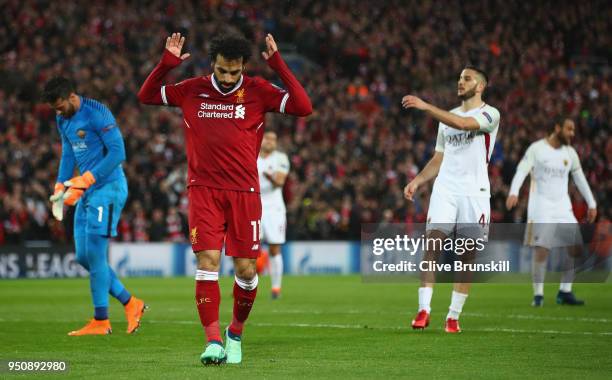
column 81, row 133
column 194, row 235
column 564, row 162
column 240, row 96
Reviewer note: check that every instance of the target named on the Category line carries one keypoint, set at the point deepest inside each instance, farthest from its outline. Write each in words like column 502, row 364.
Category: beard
column 565, row 140
column 71, row 110
column 468, row 94
column 227, row 86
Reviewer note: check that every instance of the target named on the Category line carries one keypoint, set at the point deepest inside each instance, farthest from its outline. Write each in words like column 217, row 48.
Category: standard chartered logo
column 240, row 111
column 221, row 111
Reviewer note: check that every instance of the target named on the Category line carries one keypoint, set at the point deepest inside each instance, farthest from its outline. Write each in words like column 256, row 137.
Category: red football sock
column 208, row 298
column 243, row 302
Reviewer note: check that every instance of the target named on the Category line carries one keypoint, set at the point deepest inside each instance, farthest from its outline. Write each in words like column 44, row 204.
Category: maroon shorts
column 217, row 216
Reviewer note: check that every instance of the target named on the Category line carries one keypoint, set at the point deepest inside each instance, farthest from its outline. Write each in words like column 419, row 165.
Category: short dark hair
column 230, row 46
column 559, row 120
column 478, row 70
column 58, row 87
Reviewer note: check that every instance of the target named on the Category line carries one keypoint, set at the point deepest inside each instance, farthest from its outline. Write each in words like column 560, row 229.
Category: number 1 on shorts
column 256, row 224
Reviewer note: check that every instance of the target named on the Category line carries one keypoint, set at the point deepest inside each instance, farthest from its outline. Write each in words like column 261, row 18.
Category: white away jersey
column 466, row 154
column 275, row 162
column 549, row 168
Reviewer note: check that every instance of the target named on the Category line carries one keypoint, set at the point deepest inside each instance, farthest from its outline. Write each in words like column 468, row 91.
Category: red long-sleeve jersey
column 223, row 131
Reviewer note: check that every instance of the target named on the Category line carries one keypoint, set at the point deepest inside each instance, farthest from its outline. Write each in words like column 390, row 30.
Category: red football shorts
column 217, row 216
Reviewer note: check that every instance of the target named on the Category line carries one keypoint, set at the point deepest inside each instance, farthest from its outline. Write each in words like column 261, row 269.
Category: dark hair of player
column 58, row 88
column 230, row 46
column 478, row 70
column 559, row 120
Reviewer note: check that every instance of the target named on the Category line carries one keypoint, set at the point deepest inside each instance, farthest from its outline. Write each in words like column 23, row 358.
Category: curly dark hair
column 58, row 88
column 230, row 46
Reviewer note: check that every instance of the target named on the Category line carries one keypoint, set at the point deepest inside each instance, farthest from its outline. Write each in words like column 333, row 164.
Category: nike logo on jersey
column 203, row 95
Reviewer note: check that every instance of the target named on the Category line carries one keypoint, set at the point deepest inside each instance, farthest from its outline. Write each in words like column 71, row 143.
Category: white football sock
column 276, row 271
column 538, row 272
column 569, row 273
column 425, row 294
column 457, row 301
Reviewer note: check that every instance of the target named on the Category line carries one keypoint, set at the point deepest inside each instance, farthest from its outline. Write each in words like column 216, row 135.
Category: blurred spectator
column 157, row 228
column 352, row 157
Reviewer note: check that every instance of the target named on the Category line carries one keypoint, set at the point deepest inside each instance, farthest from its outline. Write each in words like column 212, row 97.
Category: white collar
column 214, row 83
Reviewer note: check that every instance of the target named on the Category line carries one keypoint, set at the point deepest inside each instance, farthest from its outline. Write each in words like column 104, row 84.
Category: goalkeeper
column 92, row 141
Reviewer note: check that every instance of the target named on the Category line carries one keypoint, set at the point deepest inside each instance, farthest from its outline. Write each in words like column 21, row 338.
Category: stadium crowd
column 351, row 158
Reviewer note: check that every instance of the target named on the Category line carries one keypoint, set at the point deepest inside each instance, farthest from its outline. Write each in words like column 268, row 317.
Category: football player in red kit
column 223, row 117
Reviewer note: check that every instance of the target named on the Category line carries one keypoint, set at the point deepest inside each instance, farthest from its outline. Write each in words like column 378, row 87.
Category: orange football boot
column 276, row 293
column 94, row 327
column 134, row 310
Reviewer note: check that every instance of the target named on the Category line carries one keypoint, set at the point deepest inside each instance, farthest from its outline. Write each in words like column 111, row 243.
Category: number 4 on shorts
column 482, row 221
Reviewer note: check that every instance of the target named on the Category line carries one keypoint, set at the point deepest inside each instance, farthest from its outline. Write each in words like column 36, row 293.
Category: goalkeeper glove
column 57, row 200
column 76, row 187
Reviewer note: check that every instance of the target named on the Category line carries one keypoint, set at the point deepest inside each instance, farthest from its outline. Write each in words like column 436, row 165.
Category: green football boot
column 233, row 348
column 214, row 354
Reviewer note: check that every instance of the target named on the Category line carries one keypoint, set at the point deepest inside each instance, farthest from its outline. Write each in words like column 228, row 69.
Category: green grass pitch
column 323, row 327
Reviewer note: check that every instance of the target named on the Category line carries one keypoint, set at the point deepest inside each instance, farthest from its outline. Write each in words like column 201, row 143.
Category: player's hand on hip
column 592, row 215
column 174, row 44
column 410, row 190
column 511, row 201
column 411, row 101
column 271, row 47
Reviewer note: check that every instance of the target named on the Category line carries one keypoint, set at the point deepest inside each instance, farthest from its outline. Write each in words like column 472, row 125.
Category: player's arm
column 431, row 169
column 66, row 169
column 152, row 90
column 522, row 170
column 296, row 102
column 67, row 161
column 279, row 177
column 106, row 127
column 484, row 121
column 429, row 172
column 583, row 186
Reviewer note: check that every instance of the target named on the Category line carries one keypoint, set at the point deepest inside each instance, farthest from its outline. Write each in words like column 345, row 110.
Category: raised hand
column 174, row 44
column 271, row 47
column 411, row 101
